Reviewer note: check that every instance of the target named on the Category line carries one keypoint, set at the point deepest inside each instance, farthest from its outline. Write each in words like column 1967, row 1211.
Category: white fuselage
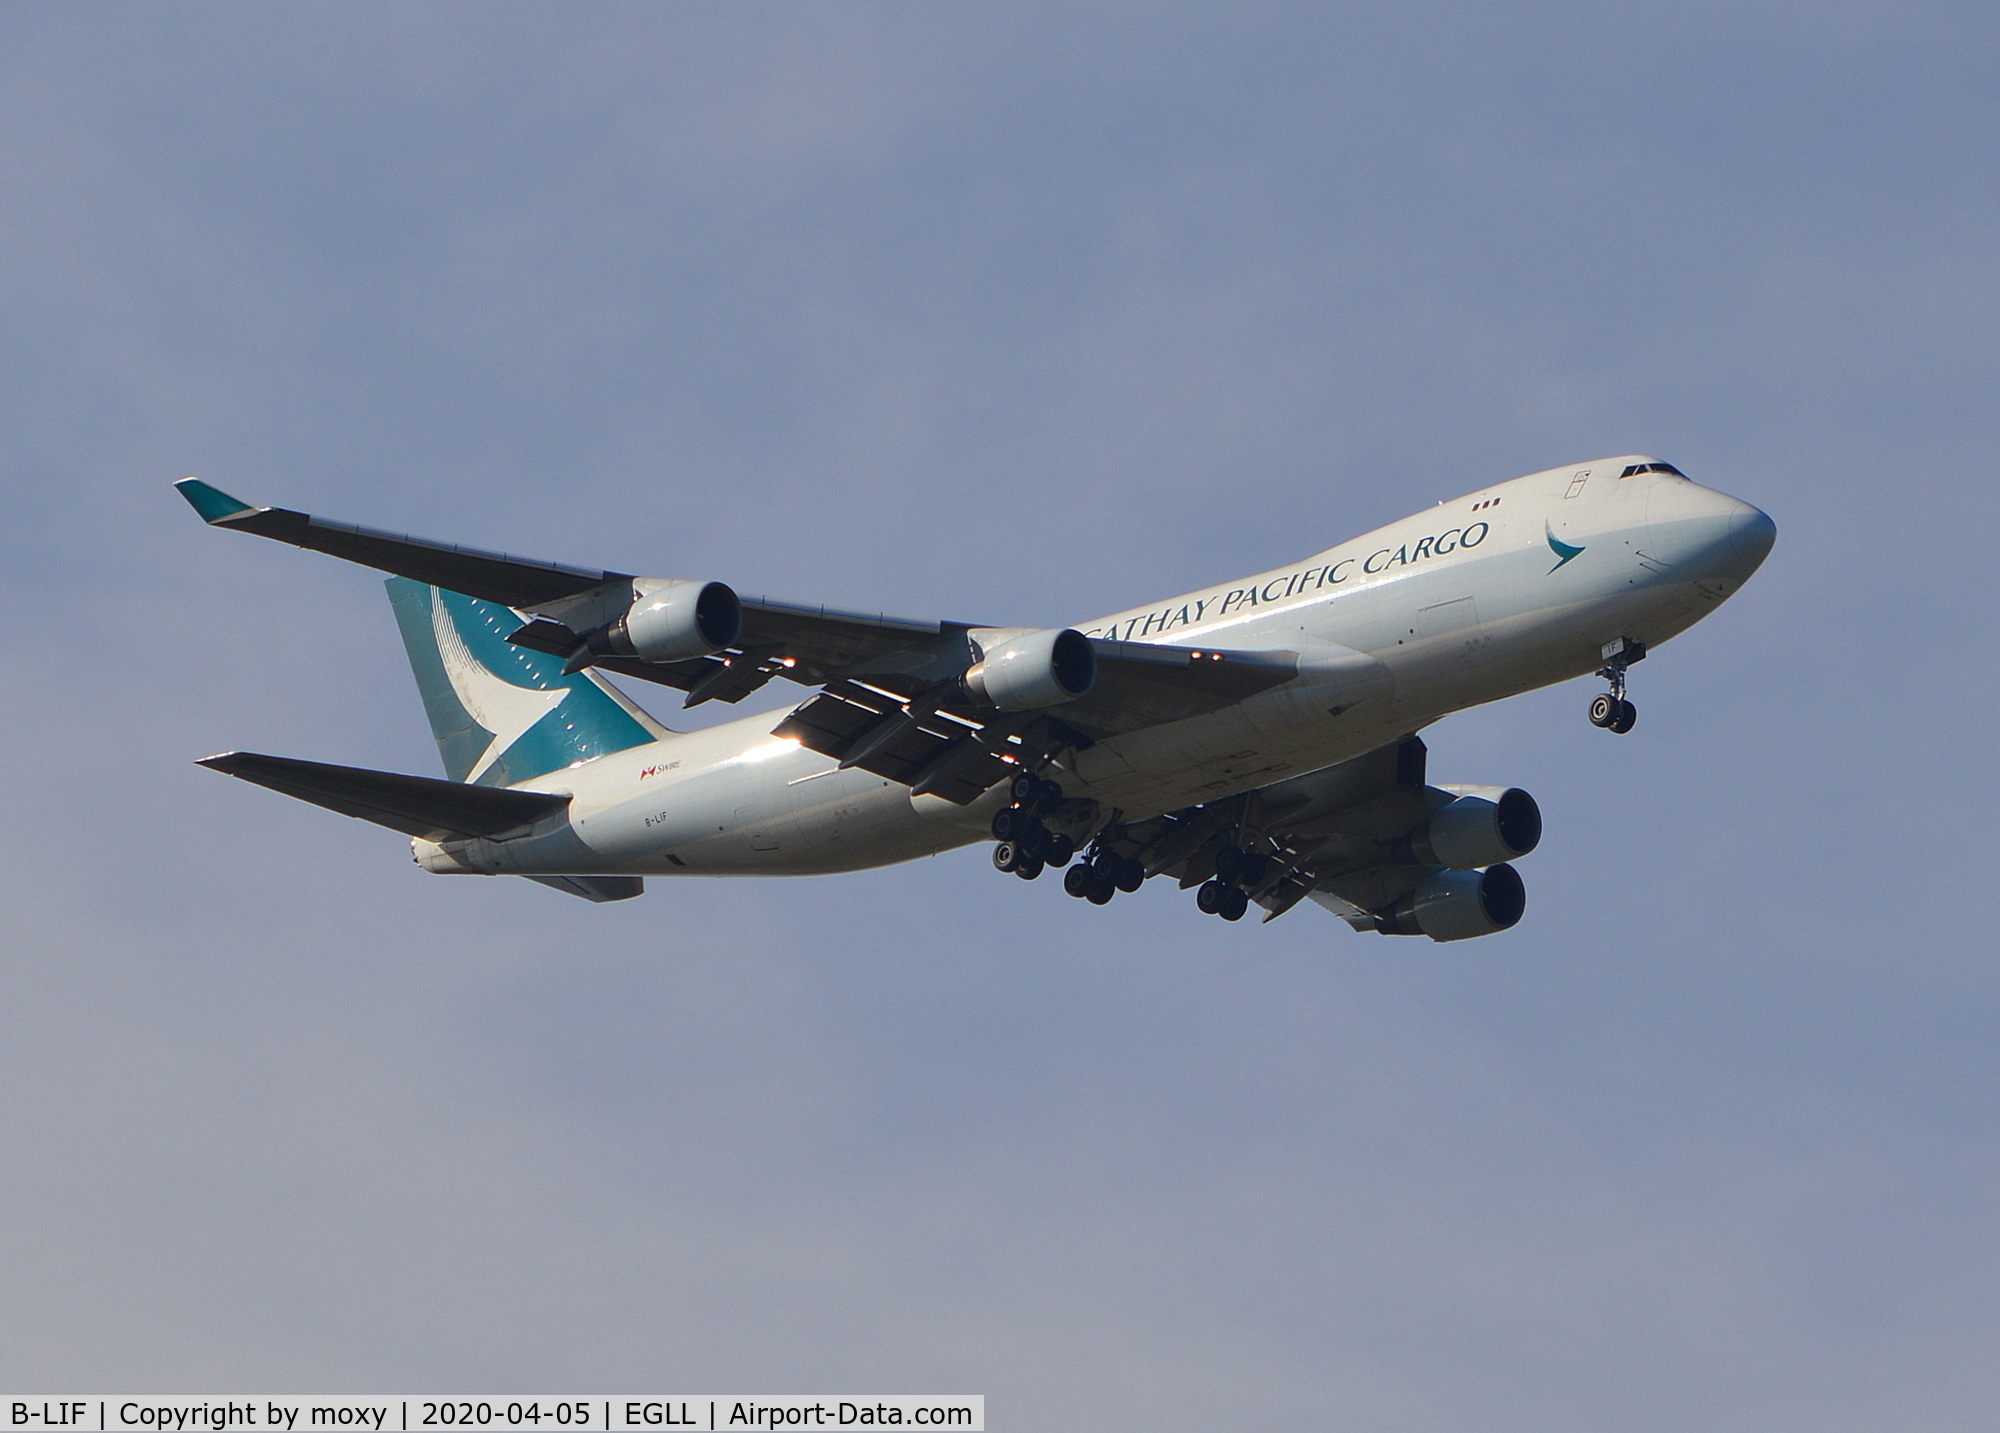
column 1465, row 603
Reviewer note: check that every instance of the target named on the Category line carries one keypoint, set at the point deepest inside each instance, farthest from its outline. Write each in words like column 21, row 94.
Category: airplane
column 1256, row 740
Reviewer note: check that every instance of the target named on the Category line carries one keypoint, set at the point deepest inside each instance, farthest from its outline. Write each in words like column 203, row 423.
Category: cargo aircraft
column 1256, row 740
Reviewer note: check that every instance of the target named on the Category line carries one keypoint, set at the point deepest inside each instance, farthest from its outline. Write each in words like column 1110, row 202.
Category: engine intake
column 676, row 621
column 1032, row 669
column 1476, row 831
column 1456, row 905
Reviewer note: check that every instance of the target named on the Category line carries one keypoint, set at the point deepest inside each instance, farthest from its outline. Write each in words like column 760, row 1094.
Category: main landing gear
column 1609, row 709
column 1102, row 875
column 1026, row 845
column 1225, row 896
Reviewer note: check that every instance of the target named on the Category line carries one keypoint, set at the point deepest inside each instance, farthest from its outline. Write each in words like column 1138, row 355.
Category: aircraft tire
column 1050, row 795
column 1228, row 861
column 1029, row 868
column 1128, row 875
column 1604, row 709
column 1060, row 850
column 1025, row 789
column 1627, row 717
column 1006, row 856
column 1100, row 892
column 1238, row 905
column 1211, row 898
column 1007, row 824
column 1078, row 881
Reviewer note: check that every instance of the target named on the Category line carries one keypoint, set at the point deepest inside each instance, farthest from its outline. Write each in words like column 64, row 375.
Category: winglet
column 213, row 504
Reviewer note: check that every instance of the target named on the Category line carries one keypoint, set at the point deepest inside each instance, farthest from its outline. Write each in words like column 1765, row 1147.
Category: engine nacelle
column 1456, row 905
column 1032, row 669
column 675, row 621
column 1478, row 830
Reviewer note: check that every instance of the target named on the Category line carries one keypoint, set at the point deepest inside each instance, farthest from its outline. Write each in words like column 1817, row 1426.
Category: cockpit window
column 1638, row 468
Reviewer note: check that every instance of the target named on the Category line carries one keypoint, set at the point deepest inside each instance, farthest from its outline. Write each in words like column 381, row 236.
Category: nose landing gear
column 1609, row 709
column 1612, row 712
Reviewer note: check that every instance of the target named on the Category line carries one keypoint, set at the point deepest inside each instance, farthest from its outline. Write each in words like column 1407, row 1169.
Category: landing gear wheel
column 1079, row 881
column 1029, row 868
column 1213, row 897
column 1253, row 870
column 1034, row 839
column 1007, row 856
column 1050, row 796
column 1228, row 861
column 1007, row 824
column 1610, row 709
column 1128, row 875
column 1101, row 891
column 1238, row 904
column 1060, row 850
column 1025, row 788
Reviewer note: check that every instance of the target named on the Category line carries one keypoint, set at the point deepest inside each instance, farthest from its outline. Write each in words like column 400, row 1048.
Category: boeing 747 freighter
column 1256, row 741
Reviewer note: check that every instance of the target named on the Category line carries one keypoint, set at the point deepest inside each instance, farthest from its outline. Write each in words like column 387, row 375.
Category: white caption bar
column 401, row 1413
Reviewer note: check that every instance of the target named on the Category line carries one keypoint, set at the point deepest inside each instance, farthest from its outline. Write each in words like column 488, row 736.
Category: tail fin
column 503, row 714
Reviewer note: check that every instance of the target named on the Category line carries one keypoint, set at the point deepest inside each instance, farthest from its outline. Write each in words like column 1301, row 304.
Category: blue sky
column 1016, row 314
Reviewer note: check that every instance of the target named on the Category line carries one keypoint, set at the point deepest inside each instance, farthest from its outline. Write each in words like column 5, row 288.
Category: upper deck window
column 1638, row 468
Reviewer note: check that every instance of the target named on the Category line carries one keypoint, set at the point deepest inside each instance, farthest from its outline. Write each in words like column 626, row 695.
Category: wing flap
column 420, row 806
column 926, row 751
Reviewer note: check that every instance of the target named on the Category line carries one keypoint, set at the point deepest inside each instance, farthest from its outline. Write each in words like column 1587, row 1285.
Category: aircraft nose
column 1709, row 534
column 1751, row 535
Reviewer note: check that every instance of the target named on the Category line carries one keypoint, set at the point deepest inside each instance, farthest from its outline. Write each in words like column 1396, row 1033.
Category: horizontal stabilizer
column 494, row 576
column 419, row 806
column 594, row 888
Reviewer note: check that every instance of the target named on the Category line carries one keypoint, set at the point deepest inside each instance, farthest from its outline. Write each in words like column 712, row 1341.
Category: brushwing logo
column 497, row 705
column 1563, row 550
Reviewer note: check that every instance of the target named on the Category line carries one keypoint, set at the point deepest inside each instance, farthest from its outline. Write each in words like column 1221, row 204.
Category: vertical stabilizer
column 504, row 714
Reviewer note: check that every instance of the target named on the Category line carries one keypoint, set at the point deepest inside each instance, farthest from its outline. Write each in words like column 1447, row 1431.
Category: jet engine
column 675, row 621
column 1484, row 826
column 1455, row 905
column 1021, row 671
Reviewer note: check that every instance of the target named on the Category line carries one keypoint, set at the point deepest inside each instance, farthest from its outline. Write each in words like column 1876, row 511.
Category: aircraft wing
column 898, row 728
column 889, row 702
column 519, row 582
column 1331, row 835
column 779, row 639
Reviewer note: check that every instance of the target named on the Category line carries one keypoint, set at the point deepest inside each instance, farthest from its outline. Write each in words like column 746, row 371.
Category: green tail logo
column 1563, row 551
